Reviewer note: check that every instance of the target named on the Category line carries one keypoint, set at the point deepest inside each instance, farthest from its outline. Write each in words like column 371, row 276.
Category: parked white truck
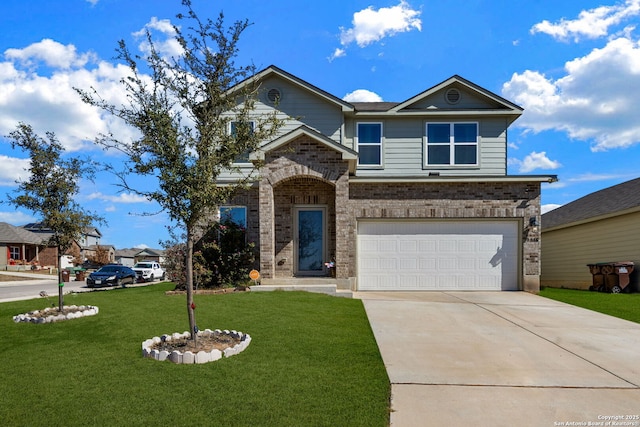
column 148, row 271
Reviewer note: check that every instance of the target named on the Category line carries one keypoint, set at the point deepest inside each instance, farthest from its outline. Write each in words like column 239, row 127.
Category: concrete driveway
column 504, row 359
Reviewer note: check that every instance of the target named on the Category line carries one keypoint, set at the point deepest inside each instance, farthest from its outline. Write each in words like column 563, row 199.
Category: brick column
column 343, row 226
column 267, row 233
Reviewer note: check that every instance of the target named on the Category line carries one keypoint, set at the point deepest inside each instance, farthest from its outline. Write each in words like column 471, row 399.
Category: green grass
column 312, row 361
column 624, row 306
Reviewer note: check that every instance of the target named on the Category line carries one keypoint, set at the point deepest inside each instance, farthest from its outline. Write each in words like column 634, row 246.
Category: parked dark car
column 112, row 274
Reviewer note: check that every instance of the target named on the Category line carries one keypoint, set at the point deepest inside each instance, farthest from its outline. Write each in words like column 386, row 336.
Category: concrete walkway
column 504, row 359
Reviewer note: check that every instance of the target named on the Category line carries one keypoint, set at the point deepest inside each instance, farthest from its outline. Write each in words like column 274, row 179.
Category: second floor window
column 241, row 129
column 452, row 144
column 369, row 144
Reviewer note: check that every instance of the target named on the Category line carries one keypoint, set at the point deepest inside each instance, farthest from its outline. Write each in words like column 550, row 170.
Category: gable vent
column 453, row 96
column 274, row 95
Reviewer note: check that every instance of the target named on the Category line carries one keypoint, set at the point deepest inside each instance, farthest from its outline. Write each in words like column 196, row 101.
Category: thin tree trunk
column 189, row 272
column 60, row 283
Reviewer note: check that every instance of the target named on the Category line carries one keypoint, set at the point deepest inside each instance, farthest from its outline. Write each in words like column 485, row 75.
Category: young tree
column 51, row 190
column 100, row 256
column 183, row 109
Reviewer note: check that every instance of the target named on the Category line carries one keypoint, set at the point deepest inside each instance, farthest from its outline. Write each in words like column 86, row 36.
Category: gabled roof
column 347, row 153
column 272, row 70
column 610, row 201
column 150, row 252
column 96, row 247
column 39, row 227
column 126, row 253
column 504, row 106
column 12, row 234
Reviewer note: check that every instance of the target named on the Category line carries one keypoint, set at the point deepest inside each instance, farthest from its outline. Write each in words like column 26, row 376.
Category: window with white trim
column 14, row 252
column 241, row 129
column 452, row 144
column 369, row 137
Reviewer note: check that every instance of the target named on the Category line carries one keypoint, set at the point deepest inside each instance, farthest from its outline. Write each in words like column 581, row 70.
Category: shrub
column 222, row 257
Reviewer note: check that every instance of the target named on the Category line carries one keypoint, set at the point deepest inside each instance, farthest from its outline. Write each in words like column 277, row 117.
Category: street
column 36, row 283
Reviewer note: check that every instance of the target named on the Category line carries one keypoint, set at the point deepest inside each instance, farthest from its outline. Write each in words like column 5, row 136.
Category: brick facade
column 306, row 172
column 519, row 201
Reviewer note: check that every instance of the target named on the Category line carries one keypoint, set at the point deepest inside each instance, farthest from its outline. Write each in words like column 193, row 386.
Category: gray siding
column 403, row 147
column 297, row 107
column 468, row 100
column 303, row 107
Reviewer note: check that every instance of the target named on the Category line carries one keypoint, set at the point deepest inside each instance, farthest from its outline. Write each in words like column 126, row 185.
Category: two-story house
column 410, row 195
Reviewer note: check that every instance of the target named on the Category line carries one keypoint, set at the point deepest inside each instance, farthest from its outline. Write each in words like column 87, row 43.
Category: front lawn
column 313, row 361
column 624, row 306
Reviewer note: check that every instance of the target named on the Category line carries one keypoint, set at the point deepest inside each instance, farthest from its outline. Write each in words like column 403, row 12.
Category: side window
column 14, row 252
column 369, row 136
column 452, row 144
column 234, row 214
column 239, row 129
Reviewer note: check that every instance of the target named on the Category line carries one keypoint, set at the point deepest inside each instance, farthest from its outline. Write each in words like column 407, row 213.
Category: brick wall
column 306, row 172
column 450, row 200
column 288, row 195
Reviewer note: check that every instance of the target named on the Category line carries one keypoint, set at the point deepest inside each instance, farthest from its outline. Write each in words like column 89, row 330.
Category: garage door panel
column 467, row 264
column 437, row 255
column 447, row 246
column 409, row 264
column 428, row 246
column 428, row 263
column 467, row 246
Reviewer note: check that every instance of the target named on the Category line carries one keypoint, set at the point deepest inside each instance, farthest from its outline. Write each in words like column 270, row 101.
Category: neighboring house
column 92, row 252
column 601, row 227
column 23, row 247
column 410, row 195
column 87, row 242
column 126, row 256
column 18, row 245
column 149, row 254
column 90, row 237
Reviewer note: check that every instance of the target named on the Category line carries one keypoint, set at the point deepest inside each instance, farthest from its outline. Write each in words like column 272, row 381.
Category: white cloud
column 51, row 53
column 362, row 95
column 338, row 53
column 591, row 177
column 548, row 207
column 93, row 2
column 13, row 169
column 371, row 25
column 590, row 24
column 119, row 198
column 36, row 88
column 168, row 46
column 535, row 161
column 597, row 100
column 141, row 246
column 16, row 218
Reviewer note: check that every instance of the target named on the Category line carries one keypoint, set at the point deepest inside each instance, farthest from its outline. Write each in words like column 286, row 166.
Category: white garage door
column 437, row 255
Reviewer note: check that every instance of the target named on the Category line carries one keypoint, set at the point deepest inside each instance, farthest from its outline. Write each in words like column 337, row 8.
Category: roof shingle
column 604, row 202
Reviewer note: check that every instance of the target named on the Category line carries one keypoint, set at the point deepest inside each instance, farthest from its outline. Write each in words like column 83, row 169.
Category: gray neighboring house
column 126, row 256
column 410, row 195
column 149, row 254
column 603, row 226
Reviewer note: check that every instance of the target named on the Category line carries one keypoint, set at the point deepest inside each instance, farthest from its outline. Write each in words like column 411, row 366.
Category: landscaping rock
column 188, row 357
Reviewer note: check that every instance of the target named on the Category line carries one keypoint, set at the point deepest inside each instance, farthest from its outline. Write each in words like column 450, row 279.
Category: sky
column 573, row 66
